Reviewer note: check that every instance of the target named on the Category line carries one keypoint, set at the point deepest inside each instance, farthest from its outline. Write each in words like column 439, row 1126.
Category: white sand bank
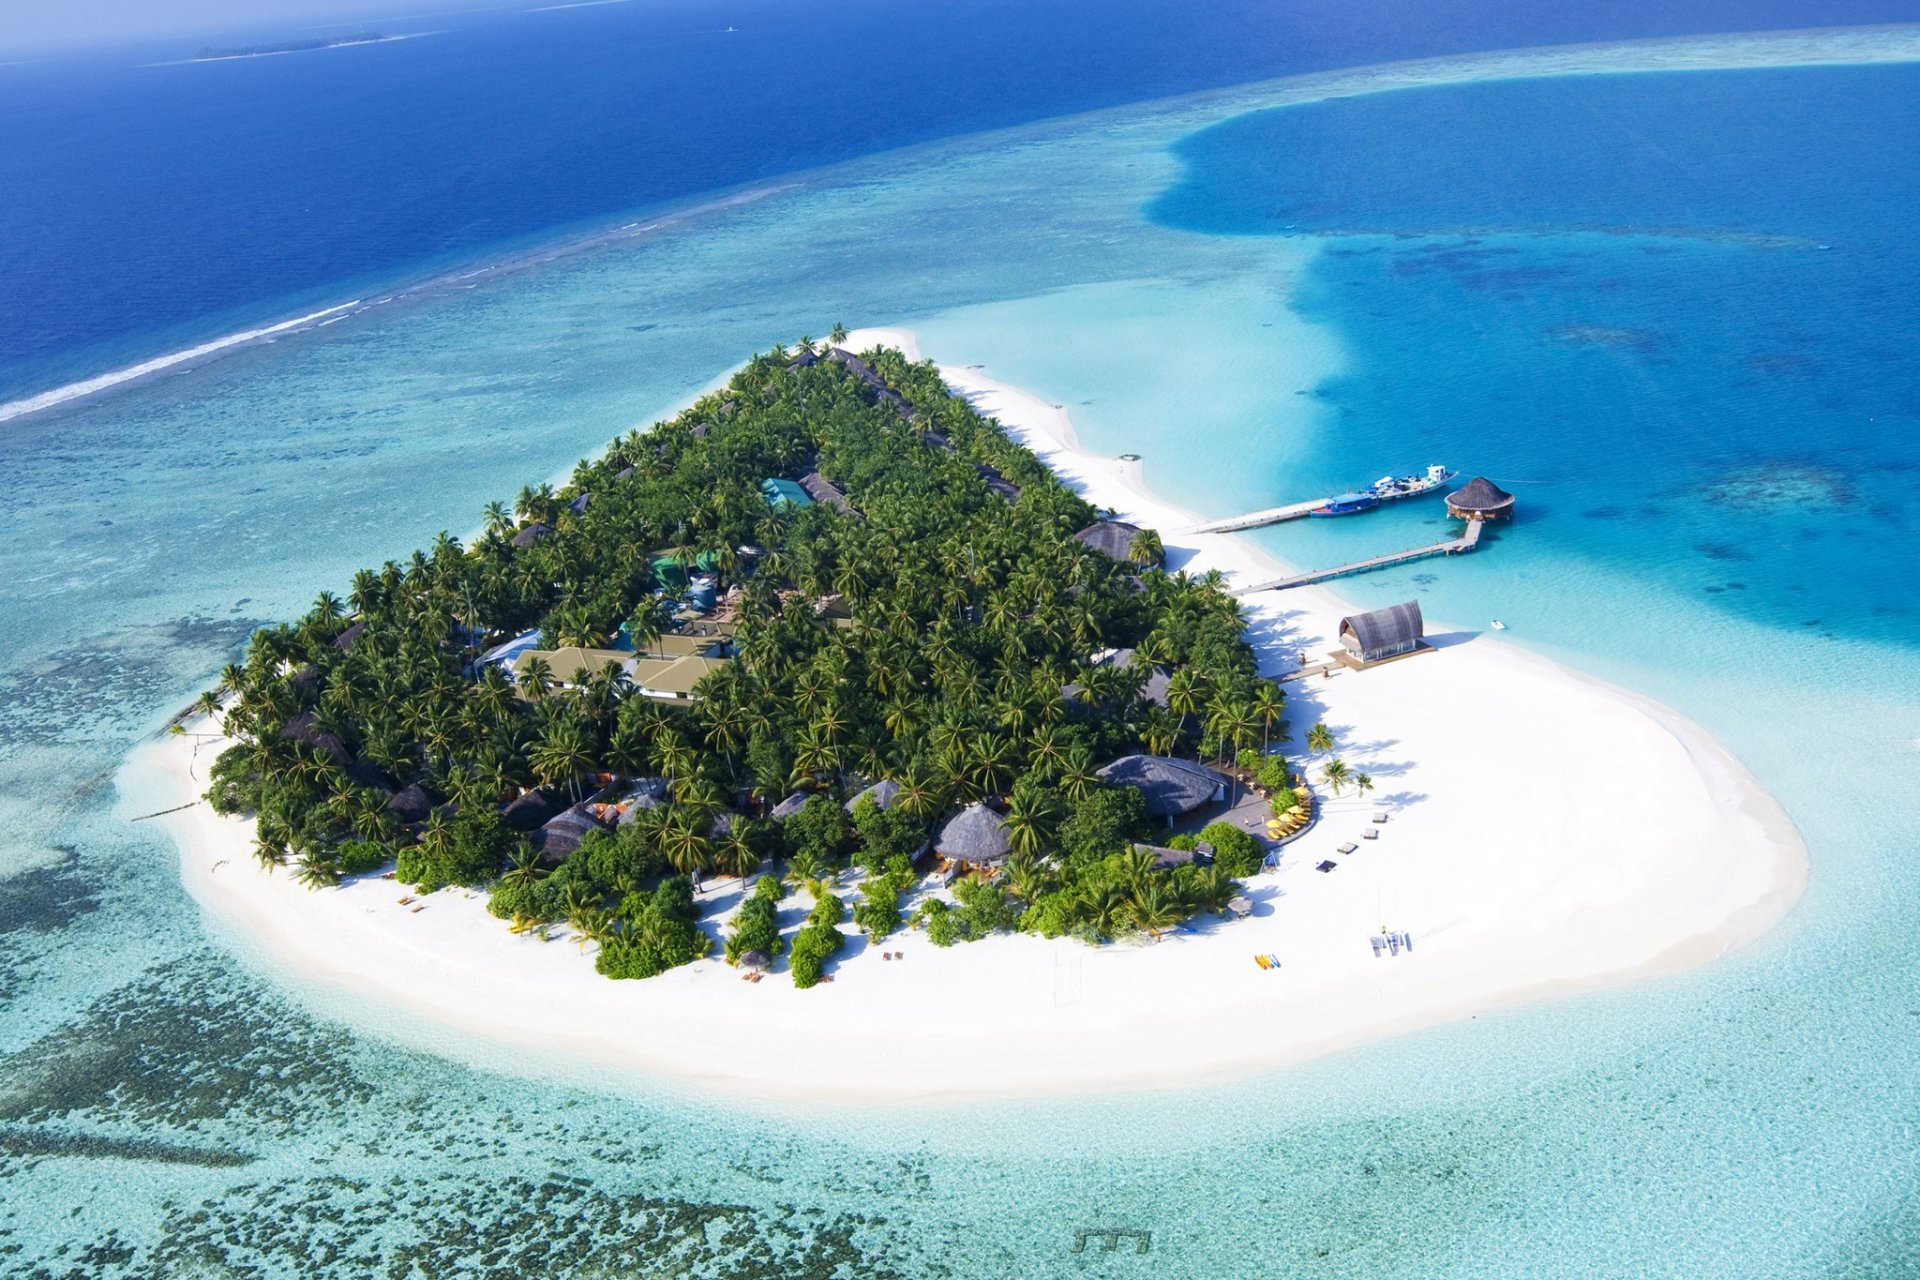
column 1594, row 837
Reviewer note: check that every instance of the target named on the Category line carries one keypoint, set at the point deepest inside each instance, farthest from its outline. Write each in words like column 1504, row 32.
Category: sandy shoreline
column 1601, row 838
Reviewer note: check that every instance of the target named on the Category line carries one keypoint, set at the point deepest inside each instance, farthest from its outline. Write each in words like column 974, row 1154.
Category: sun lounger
column 1379, row 817
column 1348, row 847
column 1261, row 961
column 1326, row 866
column 1371, row 833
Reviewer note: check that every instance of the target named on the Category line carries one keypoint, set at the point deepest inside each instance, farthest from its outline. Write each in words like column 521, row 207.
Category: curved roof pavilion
column 1384, row 633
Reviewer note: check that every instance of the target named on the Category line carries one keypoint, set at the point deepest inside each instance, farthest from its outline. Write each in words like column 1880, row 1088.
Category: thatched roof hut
column 1154, row 689
column 1170, row 787
column 792, row 805
column 977, row 837
column 351, row 636
column 881, row 793
column 412, row 804
column 531, row 534
column 366, row 773
column 530, row 811
column 1480, row 499
column 561, row 836
column 1167, row 859
column 1114, row 539
column 1384, row 633
column 302, row 729
column 997, row 483
column 758, row 961
column 823, row 490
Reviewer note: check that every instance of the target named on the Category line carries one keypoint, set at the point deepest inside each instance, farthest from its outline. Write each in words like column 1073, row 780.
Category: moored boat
column 1347, row 504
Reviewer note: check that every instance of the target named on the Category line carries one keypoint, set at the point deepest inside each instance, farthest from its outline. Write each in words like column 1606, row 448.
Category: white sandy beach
column 1595, row 838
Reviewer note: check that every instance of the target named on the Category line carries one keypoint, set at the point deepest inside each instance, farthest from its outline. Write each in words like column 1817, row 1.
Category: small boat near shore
column 1347, row 504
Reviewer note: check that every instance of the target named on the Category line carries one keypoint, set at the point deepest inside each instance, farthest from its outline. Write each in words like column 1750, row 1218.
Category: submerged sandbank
column 1548, row 834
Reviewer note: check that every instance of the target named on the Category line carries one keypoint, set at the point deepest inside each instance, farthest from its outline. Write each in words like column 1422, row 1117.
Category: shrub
column 360, row 856
column 1234, row 851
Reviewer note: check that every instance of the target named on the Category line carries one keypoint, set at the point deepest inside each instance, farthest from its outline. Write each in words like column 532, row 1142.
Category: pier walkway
column 1453, row 546
column 1254, row 519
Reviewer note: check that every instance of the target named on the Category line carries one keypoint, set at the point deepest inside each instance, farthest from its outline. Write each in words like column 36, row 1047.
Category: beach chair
column 1371, row 833
column 1379, row 817
column 1348, row 847
column 1327, row 866
column 1261, row 961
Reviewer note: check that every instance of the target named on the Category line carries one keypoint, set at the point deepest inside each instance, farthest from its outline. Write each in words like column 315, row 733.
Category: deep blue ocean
column 1673, row 313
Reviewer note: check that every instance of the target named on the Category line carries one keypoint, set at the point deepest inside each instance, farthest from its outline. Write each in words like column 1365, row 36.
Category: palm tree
column 1183, row 692
column 1362, row 783
column 733, row 856
column 319, row 869
column 1319, row 738
column 686, row 850
column 562, row 754
column 837, row 335
column 1156, row 906
column 536, row 677
column 1026, row 822
column 1336, row 774
column 1268, row 702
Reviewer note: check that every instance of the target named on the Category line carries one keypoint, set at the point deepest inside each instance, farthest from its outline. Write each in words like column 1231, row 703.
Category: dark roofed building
column 412, row 804
column 823, row 490
column 1384, row 633
column 1480, row 499
column 792, row 805
column 531, row 534
column 1153, row 689
column 997, row 483
column 1170, row 787
column 806, row 359
column 561, row 836
column 882, row 393
column 530, row 811
column 976, row 837
column 350, row 637
column 881, row 793
column 579, row 505
column 1115, row 539
column 303, row 730
column 367, row 774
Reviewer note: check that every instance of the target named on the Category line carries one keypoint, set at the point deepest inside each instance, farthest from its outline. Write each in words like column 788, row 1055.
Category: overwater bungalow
column 1480, row 499
column 1392, row 632
column 976, row 838
column 1172, row 788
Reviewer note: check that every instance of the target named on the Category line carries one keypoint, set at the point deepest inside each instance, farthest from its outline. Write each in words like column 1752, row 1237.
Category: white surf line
column 75, row 390
column 577, row 4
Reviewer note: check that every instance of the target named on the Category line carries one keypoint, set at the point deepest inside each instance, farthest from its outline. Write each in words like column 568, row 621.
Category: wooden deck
column 1452, row 546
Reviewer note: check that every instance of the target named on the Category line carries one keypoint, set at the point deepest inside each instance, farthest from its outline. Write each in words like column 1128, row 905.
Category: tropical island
column 828, row 618
column 885, row 635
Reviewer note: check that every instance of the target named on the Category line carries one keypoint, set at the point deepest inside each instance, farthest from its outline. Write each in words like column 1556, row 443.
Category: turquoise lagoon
column 1709, row 421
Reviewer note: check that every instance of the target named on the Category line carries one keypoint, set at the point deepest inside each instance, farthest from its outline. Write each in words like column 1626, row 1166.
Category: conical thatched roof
column 302, row 729
column 1112, row 539
column 977, row 837
column 1170, row 787
column 1479, row 495
column 881, row 793
column 346, row 639
column 530, row 811
column 412, row 804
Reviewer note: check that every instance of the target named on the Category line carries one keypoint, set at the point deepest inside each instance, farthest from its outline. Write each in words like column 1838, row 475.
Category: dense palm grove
column 960, row 668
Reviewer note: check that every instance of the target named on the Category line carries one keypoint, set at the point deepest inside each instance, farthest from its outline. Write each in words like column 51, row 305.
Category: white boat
column 1387, row 488
column 1499, row 625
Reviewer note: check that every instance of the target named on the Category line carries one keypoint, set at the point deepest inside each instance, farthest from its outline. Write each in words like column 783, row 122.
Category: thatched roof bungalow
column 824, row 491
column 1480, row 499
column 881, row 793
column 1384, row 633
column 301, row 729
column 530, row 811
column 997, row 483
column 350, row 637
column 1171, row 787
column 1115, row 539
column 412, row 803
column 531, row 534
column 976, row 837
column 791, row 805
column 561, row 836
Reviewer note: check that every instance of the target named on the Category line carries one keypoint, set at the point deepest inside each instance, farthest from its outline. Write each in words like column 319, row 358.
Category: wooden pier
column 1255, row 519
column 1453, row 546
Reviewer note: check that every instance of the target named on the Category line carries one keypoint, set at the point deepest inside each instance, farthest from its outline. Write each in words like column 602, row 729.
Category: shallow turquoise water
column 1753, row 1118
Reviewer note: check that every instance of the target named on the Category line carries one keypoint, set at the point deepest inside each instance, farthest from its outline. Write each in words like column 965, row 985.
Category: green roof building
column 784, row 495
